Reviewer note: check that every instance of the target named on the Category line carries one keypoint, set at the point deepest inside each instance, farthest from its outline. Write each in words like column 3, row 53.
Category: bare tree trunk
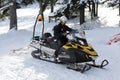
column 13, row 16
column 43, row 5
column 96, row 10
column 119, row 7
column 0, row 3
column 52, row 5
column 89, row 5
column 82, row 14
column 93, row 10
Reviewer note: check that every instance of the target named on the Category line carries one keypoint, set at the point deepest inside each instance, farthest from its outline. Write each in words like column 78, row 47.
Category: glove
column 64, row 34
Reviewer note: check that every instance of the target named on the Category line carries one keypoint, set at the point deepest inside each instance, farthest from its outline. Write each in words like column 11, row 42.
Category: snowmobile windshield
column 76, row 33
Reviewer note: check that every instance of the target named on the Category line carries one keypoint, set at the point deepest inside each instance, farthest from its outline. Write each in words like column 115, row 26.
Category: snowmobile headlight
column 81, row 42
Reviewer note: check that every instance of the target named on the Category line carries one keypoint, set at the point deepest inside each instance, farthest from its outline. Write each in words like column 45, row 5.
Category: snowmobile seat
column 53, row 43
column 50, row 41
column 46, row 35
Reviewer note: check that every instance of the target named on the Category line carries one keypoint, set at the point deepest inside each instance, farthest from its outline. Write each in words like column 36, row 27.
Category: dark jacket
column 58, row 32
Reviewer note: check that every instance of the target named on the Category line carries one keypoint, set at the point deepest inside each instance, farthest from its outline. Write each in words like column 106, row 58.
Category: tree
column 43, row 5
column 119, row 7
column 94, row 11
column 13, row 15
column 52, row 5
column 82, row 13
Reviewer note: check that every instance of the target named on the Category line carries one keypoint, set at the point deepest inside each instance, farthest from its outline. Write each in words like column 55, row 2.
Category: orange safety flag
column 40, row 17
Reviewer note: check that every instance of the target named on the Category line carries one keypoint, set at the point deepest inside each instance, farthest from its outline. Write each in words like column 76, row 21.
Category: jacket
column 60, row 29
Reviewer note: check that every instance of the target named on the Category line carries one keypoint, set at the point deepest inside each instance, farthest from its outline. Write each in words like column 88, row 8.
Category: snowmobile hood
column 87, row 49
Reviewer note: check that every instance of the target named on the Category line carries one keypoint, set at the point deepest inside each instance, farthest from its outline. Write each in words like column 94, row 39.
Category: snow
column 16, row 62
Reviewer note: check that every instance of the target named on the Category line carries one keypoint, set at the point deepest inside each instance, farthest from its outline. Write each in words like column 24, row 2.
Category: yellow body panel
column 87, row 49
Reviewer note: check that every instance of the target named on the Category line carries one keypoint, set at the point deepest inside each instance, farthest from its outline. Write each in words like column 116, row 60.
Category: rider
column 60, row 33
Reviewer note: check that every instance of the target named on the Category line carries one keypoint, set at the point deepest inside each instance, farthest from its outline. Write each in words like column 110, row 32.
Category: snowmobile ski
column 102, row 65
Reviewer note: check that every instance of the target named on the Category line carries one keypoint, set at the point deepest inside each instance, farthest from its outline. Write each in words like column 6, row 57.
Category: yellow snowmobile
column 77, row 54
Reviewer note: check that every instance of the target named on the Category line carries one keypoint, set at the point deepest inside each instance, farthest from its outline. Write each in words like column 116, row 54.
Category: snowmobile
column 76, row 54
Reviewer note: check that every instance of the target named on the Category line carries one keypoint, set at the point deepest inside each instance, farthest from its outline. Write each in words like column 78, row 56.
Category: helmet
column 63, row 19
column 40, row 18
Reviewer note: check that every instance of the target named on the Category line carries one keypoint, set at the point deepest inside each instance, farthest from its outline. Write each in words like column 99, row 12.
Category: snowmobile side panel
column 71, row 58
column 80, row 68
column 35, row 44
column 40, row 45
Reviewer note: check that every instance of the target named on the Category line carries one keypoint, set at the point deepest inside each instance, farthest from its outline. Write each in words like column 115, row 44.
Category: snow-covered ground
column 16, row 62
